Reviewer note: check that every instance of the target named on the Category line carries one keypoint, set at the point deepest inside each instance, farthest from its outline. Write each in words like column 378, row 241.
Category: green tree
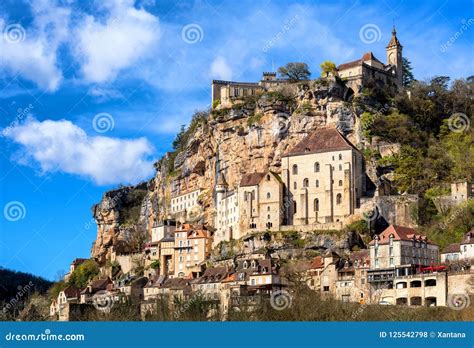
column 407, row 69
column 294, row 71
column 327, row 68
column 84, row 273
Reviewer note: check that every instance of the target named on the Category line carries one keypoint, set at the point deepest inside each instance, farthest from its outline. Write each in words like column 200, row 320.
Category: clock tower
column 394, row 57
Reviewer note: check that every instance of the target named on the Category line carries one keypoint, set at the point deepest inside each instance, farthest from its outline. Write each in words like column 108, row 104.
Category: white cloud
column 61, row 146
column 33, row 54
column 104, row 49
column 220, row 69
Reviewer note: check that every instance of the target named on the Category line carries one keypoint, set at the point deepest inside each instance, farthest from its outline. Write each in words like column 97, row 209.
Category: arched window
column 268, row 208
column 268, row 195
column 294, row 185
column 268, row 217
column 316, row 204
column 390, row 239
column 306, row 182
column 294, row 207
column 340, row 182
column 317, row 183
column 316, row 167
column 338, row 198
column 295, row 169
column 340, row 156
column 268, row 177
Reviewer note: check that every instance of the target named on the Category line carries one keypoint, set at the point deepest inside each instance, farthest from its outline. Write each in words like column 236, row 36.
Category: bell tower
column 394, row 57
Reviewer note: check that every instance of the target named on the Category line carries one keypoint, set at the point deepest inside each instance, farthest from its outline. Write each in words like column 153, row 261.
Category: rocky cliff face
column 249, row 136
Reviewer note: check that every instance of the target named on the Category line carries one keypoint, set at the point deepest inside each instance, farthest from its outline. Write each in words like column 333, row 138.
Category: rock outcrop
column 250, row 136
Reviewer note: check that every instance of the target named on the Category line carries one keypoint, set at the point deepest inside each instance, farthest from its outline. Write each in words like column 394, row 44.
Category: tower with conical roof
column 394, row 57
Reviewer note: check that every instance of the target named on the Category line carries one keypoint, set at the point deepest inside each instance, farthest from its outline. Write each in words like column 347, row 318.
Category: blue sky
column 93, row 92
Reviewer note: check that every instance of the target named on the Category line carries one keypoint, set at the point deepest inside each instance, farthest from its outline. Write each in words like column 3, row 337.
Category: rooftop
column 321, row 140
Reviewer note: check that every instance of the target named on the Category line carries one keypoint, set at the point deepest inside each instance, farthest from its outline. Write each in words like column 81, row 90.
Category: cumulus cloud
column 105, row 48
column 61, row 146
column 220, row 69
column 32, row 52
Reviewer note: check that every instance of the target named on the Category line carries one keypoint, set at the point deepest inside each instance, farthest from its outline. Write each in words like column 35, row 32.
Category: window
column 268, row 195
column 294, row 207
column 295, row 169
column 316, row 167
column 268, row 217
column 306, row 182
column 340, row 167
column 294, row 185
column 268, row 208
column 325, row 288
column 268, row 177
column 317, row 183
column 316, row 205
column 391, row 240
column 340, row 182
column 376, row 263
column 338, row 198
column 340, row 156
column 246, row 265
column 391, row 262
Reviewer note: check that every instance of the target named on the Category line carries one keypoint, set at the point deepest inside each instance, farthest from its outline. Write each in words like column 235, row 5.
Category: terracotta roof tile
column 452, row 248
column 400, row 233
column 321, row 140
column 251, row 179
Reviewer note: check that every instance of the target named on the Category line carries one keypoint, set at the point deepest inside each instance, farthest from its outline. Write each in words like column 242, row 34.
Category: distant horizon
column 130, row 104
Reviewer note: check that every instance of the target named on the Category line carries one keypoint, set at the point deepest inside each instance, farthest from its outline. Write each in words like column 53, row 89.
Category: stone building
column 324, row 179
column 226, row 91
column 192, row 246
column 398, row 258
column 226, row 220
column 259, row 198
column 185, row 202
column 351, row 283
column 322, row 273
column 360, row 72
column 463, row 251
column 399, row 246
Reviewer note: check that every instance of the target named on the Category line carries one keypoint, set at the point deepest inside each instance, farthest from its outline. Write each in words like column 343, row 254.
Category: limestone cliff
column 249, row 136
